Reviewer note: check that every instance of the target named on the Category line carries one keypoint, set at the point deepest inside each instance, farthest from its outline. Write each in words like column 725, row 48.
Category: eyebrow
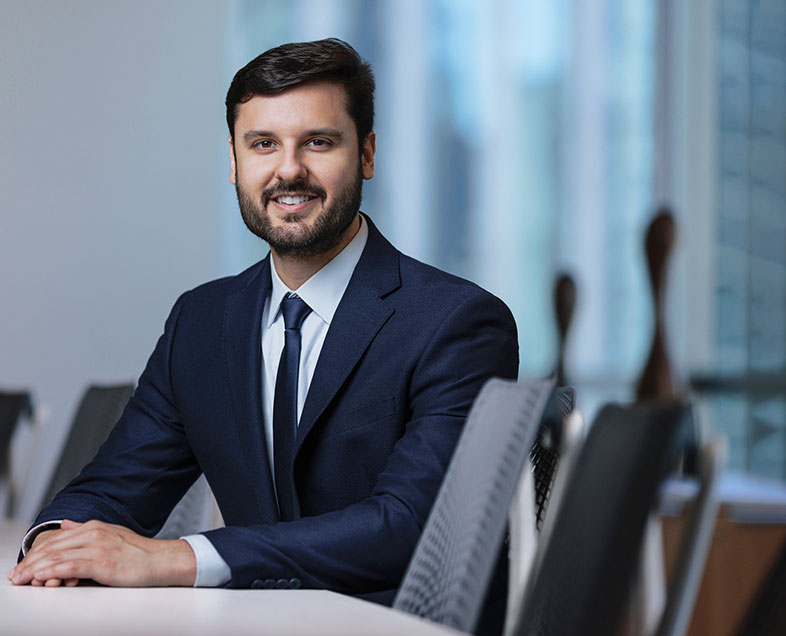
column 317, row 132
column 325, row 132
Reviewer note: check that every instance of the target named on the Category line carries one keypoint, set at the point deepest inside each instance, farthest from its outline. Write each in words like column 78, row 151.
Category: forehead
column 306, row 107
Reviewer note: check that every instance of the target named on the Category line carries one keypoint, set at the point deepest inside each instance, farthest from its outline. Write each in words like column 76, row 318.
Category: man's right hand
column 40, row 540
column 108, row 554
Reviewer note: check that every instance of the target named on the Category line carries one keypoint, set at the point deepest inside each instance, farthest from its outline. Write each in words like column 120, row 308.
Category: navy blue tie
column 285, row 403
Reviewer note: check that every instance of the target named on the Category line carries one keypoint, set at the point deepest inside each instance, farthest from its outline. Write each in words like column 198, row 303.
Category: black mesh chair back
column 544, row 455
column 97, row 414
column 452, row 565
column 12, row 406
column 590, row 560
column 536, row 491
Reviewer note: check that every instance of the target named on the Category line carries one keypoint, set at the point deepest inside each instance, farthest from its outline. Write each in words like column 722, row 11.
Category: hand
column 108, row 554
column 39, row 540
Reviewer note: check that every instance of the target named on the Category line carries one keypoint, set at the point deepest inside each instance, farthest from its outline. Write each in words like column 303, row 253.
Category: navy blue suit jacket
column 407, row 351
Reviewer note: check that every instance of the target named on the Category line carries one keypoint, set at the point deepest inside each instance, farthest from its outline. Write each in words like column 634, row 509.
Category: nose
column 291, row 166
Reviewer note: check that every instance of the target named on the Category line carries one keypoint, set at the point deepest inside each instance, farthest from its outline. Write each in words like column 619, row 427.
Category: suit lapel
column 243, row 361
column 359, row 316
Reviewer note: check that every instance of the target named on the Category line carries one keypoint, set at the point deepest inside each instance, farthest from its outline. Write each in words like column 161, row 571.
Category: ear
column 367, row 155
column 232, row 163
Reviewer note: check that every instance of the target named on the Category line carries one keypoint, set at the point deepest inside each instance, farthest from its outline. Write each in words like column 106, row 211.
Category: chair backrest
column 689, row 566
column 534, row 494
column 545, row 453
column 591, row 556
column 453, row 562
column 97, row 414
column 12, row 406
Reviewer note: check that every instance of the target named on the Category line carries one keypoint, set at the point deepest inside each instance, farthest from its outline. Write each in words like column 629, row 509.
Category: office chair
column 13, row 405
column 689, row 567
column 449, row 573
column 540, row 489
column 545, row 453
column 99, row 410
column 98, row 413
column 589, row 562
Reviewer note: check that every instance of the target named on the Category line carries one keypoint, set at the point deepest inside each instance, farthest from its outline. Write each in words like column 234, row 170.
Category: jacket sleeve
column 145, row 466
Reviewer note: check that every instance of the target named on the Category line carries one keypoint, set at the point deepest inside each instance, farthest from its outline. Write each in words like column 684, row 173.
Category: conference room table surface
column 97, row 610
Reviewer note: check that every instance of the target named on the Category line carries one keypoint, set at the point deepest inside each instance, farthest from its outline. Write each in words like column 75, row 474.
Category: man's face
column 297, row 170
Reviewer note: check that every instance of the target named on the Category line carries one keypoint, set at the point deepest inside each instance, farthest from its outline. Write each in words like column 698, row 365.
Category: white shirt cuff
column 27, row 542
column 212, row 570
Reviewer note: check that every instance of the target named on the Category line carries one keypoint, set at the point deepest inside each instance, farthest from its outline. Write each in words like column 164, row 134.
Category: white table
column 87, row 611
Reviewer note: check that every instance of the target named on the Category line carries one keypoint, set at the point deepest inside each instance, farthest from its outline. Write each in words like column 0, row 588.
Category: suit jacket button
column 257, row 584
column 282, row 584
column 269, row 584
column 294, row 584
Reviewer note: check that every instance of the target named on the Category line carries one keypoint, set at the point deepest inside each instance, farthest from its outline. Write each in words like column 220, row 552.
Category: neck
column 294, row 270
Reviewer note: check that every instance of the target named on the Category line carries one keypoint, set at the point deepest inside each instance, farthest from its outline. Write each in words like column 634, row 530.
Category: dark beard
column 328, row 229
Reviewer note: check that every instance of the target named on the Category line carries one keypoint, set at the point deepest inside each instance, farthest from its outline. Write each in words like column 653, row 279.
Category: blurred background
column 517, row 140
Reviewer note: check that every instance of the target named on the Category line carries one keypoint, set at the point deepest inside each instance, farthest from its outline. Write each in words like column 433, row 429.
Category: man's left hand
column 108, row 554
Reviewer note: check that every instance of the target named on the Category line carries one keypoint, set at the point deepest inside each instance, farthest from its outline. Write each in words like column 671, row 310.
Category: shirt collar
column 324, row 290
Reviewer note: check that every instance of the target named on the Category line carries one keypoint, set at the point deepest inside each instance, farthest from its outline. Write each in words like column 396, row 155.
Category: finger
column 77, row 542
column 73, row 564
column 44, row 566
column 71, row 582
column 22, row 576
column 52, row 583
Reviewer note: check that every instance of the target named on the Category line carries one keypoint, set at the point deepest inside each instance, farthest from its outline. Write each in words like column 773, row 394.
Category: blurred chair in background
column 97, row 414
column 551, row 457
column 657, row 379
column 450, row 571
column 581, row 582
column 99, row 410
column 545, row 453
column 13, row 407
column 564, row 305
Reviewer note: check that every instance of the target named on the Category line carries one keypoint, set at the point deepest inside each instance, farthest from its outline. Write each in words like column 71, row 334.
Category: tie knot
column 294, row 310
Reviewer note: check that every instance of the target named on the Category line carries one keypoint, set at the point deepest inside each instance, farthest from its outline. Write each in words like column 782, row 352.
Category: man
column 322, row 391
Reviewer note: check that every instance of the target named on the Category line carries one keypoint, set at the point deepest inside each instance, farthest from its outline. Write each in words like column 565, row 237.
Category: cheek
column 335, row 182
column 252, row 174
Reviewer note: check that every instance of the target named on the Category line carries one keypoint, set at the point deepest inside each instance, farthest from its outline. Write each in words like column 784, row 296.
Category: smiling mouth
column 292, row 197
column 289, row 199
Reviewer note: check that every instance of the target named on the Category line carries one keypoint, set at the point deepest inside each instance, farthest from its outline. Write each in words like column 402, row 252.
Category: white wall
column 112, row 177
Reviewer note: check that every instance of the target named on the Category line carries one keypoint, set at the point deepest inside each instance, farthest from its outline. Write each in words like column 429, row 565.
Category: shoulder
column 418, row 282
column 440, row 289
column 219, row 289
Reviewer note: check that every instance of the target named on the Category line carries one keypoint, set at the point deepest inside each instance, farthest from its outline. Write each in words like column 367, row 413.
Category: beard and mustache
column 295, row 239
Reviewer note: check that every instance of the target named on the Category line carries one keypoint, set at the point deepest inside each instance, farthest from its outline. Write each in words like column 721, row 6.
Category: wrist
column 177, row 563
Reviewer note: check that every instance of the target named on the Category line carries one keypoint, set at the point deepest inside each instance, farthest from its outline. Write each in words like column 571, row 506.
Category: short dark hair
column 290, row 65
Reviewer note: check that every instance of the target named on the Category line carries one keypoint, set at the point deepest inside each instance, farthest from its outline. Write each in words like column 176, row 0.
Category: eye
column 319, row 143
column 263, row 144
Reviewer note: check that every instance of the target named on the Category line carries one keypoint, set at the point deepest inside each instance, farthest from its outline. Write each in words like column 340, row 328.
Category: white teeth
column 290, row 200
